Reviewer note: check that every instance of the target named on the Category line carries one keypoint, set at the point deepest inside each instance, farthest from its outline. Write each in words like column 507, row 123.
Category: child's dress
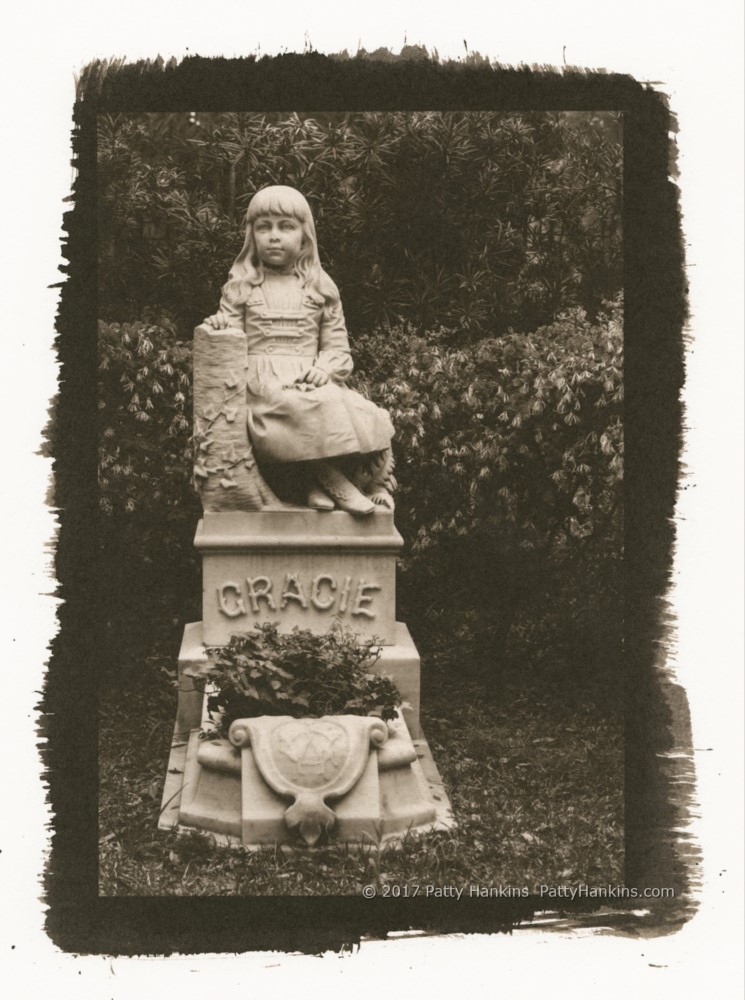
column 289, row 332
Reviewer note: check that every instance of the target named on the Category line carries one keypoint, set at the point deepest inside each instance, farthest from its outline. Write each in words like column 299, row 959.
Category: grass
column 535, row 777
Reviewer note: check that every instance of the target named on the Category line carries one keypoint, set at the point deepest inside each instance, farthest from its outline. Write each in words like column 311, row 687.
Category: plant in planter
column 299, row 674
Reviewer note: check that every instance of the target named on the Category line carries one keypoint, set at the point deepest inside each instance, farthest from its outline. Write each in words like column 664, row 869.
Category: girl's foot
column 318, row 500
column 345, row 494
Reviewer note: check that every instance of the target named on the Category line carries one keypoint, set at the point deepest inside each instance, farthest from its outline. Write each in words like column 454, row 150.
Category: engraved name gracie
column 336, row 595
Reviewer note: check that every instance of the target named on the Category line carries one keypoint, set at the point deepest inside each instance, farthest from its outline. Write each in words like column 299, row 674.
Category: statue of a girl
column 299, row 410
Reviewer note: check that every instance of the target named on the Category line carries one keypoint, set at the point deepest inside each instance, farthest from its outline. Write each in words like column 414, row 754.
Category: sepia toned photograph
column 360, row 504
column 374, row 382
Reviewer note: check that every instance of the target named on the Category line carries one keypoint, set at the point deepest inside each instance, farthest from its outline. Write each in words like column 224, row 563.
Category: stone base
column 242, row 811
column 400, row 661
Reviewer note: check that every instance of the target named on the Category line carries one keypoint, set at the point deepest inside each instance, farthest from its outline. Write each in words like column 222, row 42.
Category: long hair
column 248, row 271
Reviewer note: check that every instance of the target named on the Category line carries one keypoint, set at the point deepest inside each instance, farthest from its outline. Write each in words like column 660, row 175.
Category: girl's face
column 279, row 240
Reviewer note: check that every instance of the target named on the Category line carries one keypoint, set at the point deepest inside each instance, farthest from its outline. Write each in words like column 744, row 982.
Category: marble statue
column 280, row 437
column 270, row 372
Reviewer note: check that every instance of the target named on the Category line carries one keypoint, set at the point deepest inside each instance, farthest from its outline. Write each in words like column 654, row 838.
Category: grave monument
column 271, row 407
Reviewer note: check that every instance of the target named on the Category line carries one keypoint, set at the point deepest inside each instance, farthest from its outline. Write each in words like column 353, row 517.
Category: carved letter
column 344, row 594
column 315, row 592
column 298, row 594
column 363, row 598
column 254, row 595
column 240, row 607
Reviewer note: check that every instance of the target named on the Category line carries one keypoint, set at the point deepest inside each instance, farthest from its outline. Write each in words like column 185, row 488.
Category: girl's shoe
column 345, row 494
column 318, row 500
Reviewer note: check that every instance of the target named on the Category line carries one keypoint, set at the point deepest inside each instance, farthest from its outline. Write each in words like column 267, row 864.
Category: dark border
column 656, row 801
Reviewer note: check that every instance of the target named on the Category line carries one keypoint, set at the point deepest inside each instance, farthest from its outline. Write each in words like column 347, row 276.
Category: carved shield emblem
column 310, row 761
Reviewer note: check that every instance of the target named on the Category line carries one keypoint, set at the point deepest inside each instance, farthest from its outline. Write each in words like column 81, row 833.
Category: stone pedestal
column 306, row 569
column 302, row 568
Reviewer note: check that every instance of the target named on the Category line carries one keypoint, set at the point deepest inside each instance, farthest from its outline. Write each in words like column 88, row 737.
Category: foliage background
column 479, row 261
column 472, row 220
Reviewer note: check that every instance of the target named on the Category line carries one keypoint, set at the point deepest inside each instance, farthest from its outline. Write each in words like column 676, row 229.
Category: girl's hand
column 218, row 322
column 314, row 376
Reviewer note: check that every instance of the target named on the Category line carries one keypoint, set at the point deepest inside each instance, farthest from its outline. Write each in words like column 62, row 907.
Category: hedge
column 509, row 456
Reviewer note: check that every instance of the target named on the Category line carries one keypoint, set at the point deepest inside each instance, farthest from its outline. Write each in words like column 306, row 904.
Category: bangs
column 279, row 200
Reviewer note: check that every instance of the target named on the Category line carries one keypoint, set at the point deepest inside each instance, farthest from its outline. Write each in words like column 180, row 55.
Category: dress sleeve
column 235, row 314
column 334, row 356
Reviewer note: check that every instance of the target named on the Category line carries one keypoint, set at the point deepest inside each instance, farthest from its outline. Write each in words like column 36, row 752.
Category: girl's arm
column 334, row 357
column 228, row 315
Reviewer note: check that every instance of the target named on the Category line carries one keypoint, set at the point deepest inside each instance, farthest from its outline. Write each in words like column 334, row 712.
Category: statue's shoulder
column 328, row 289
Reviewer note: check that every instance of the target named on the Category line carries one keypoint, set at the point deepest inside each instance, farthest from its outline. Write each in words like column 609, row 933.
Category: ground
column 535, row 778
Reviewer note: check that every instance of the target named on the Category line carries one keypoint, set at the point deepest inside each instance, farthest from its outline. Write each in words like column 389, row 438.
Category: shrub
column 510, row 459
column 300, row 675
column 148, row 507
